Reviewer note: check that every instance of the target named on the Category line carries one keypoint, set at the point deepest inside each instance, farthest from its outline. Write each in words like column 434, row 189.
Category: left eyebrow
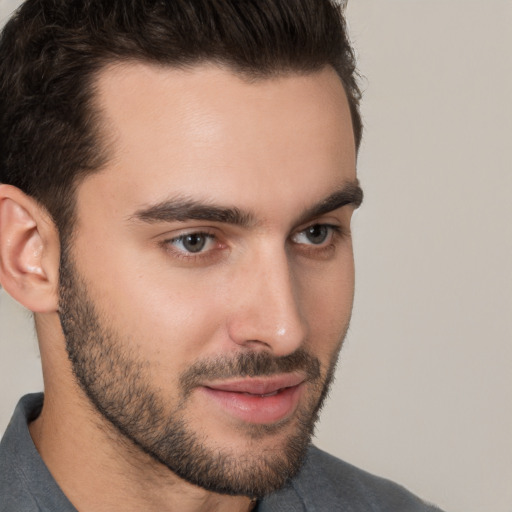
column 350, row 194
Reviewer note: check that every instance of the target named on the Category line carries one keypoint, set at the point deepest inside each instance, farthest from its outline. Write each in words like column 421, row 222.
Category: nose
column 267, row 313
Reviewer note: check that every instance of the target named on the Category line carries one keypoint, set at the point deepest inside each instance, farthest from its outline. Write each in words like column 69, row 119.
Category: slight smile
column 258, row 400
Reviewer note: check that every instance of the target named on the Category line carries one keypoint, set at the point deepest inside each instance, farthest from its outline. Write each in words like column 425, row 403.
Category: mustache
column 250, row 364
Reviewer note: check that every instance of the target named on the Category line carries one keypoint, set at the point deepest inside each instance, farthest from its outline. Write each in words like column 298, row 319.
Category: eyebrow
column 182, row 209
column 350, row 194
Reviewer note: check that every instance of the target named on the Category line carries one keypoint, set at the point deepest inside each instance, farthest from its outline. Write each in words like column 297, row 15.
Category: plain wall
column 424, row 388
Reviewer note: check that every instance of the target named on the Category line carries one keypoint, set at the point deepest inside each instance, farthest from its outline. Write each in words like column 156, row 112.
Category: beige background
column 424, row 388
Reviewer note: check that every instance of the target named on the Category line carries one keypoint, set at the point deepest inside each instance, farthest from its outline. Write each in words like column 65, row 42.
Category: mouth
column 257, row 400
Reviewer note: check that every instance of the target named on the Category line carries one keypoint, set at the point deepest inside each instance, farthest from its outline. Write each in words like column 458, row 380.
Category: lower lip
column 257, row 409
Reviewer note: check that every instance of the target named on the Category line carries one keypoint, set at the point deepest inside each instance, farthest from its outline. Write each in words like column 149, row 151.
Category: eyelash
column 336, row 232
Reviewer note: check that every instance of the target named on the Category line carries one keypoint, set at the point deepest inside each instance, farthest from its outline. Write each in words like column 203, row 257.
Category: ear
column 29, row 251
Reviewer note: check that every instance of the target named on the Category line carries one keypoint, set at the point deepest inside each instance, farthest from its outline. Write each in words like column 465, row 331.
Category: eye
column 193, row 243
column 317, row 234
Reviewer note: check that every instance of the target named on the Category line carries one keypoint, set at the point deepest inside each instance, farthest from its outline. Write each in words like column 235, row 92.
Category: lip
column 259, row 385
column 257, row 400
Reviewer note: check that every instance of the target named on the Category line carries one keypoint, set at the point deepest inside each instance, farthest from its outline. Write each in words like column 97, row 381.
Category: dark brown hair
column 51, row 51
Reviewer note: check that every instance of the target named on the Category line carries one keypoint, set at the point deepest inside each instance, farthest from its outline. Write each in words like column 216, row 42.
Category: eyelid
column 176, row 234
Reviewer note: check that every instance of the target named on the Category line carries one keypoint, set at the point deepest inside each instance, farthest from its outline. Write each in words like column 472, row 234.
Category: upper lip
column 259, row 385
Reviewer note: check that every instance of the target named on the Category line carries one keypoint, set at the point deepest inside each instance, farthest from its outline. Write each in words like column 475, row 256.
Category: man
column 178, row 179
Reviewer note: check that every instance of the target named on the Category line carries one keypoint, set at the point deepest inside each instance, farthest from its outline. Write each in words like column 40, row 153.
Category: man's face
column 209, row 282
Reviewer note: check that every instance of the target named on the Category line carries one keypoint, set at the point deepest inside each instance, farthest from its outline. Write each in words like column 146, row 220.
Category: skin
column 274, row 149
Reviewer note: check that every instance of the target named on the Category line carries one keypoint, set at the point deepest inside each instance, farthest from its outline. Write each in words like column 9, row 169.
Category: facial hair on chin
column 118, row 384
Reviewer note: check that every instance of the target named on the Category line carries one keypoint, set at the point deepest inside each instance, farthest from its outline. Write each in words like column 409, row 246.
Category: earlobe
column 29, row 251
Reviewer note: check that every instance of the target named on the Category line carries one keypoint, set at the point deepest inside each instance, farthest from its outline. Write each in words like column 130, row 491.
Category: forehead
column 206, row 131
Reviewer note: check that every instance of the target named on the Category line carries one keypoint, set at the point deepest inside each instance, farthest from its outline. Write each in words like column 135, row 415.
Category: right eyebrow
column 182, row 209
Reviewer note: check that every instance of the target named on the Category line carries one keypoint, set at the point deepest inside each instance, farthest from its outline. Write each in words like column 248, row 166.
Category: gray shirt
column 325, row 484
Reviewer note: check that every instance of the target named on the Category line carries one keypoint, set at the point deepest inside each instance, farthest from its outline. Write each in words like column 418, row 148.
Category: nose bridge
column 270, row 309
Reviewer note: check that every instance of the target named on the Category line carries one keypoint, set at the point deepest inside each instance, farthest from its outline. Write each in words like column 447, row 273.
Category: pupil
column 317, row 234
column 194, row 243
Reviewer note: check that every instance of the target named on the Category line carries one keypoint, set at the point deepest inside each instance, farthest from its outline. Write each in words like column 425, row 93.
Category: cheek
column 327, row 299
column 166, row 318
column 175, row 319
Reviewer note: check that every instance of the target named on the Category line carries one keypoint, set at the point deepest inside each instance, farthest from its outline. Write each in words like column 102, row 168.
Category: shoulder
column 13, row 495
column 326, row 483
column 25, row 482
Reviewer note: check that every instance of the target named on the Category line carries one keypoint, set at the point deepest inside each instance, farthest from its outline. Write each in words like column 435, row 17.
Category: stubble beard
column 119, row 386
